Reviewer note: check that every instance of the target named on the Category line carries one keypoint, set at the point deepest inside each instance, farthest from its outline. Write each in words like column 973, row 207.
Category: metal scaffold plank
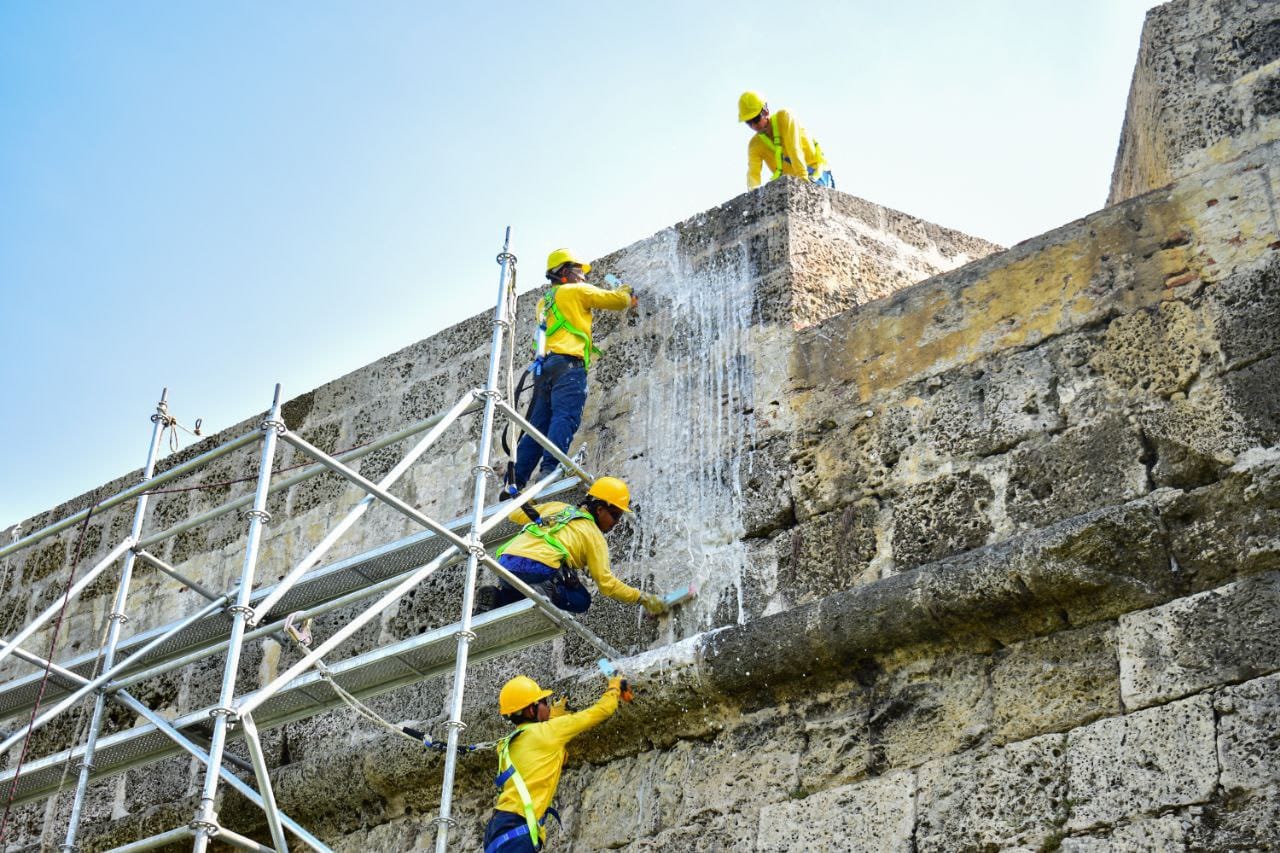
column 410, row 661
column 316, row 588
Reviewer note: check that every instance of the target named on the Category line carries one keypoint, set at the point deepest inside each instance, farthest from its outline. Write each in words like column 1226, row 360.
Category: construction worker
column 560, row 540
column 779, row 141
column 565, row 351
column 530, row 760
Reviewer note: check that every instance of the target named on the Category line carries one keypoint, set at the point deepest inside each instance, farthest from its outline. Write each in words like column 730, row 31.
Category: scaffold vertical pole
column 117, row 618
column 205, row 822
column 475, row 545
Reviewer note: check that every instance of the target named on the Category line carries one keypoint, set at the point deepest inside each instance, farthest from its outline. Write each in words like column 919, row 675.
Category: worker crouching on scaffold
column 564, row 353
column 530, row 760
column 560, row 540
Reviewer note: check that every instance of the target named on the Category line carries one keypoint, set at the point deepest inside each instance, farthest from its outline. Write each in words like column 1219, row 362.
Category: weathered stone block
column 1244, row 311
column 1136, row 765
column 1253, row 396
column 754, row 764
column 1153, row 351
column 850, row 453
column 993, row 799
column 929, row 708
column 766, row 489
column 837, row 748
column 1082, row 469
column 1056, row 683
column 1154, row 835
column 946, row 515
column 831, row 552
column 1099, row 564
column 1249, row 735
column 982, row 410
column 1217, row 637
column 1240, row 822
column 1226, row 530
column 876, row 815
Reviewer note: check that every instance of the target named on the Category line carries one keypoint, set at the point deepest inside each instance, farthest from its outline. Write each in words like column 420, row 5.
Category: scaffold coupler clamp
column 206, row 819
column 269, row 424
column 301, row 634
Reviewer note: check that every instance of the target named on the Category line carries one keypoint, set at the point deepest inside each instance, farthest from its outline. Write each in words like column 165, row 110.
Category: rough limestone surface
column 1206, row 89
column 1167, row 653
column 1142, row 763
column 876, row 815
column 986, row 541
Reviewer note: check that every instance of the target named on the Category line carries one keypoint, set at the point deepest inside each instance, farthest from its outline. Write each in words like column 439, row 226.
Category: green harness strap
column 548, row 530
column 550, row 307
column 776, row 147
column 504, row 764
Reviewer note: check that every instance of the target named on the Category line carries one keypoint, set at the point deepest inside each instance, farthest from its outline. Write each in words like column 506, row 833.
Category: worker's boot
column 486, row 599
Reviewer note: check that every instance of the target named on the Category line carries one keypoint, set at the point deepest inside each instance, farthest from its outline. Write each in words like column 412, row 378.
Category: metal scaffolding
column 239, row 615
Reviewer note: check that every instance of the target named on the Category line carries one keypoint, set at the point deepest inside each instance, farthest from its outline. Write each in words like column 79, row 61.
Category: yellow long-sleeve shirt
column 798, row 150
column 538, row 753
column 585, row 544
column 575, row 301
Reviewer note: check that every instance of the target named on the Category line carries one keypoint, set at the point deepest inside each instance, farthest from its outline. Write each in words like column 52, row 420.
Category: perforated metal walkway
column 316, row 588
column 410, row 661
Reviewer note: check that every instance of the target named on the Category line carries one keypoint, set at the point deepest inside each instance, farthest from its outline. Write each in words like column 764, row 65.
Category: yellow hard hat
column 750, row 105
column 519, row 693
column 565, row 256
column 612, row 491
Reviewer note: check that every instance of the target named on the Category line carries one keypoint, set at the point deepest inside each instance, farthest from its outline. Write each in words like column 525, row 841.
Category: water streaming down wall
column 697, row 416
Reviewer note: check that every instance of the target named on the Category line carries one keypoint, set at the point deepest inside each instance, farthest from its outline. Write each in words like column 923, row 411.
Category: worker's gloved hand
column 560, row 707
column 653, row 603
column 635, row 301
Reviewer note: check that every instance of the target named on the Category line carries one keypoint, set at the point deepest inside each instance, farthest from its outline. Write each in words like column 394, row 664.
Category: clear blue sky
column 217, row 196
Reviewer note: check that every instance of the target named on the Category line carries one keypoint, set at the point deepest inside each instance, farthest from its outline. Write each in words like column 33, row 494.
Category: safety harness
column 547, row 528
column 507, row 770
column 776, row 147
column 560, row 322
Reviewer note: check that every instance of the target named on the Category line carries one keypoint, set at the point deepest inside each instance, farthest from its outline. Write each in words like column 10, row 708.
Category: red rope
column 44, row 681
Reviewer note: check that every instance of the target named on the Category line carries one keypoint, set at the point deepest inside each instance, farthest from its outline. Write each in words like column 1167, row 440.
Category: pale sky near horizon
column 216, row 197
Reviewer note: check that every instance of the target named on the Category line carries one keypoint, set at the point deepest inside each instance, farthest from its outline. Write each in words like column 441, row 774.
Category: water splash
column 696, row 415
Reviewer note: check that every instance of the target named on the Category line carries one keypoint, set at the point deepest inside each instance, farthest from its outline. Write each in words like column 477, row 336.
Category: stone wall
column 685, row 405
column 987, row 541
column 1206, row 89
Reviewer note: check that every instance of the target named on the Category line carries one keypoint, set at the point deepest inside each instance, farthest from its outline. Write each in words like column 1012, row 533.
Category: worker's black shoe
column 486, row 599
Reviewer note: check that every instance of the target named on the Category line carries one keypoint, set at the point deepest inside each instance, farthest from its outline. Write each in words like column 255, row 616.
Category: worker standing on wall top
column 564, row 355
column 779, row 141
column 530, row 760
column 560, row 540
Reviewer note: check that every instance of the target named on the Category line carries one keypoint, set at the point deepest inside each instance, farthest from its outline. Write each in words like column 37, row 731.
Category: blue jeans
column 559, row 394
column 825, row 180
column 562, row 586
column 503, row 822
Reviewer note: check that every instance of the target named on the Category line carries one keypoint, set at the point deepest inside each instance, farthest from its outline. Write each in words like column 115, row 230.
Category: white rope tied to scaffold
column 301, row 635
